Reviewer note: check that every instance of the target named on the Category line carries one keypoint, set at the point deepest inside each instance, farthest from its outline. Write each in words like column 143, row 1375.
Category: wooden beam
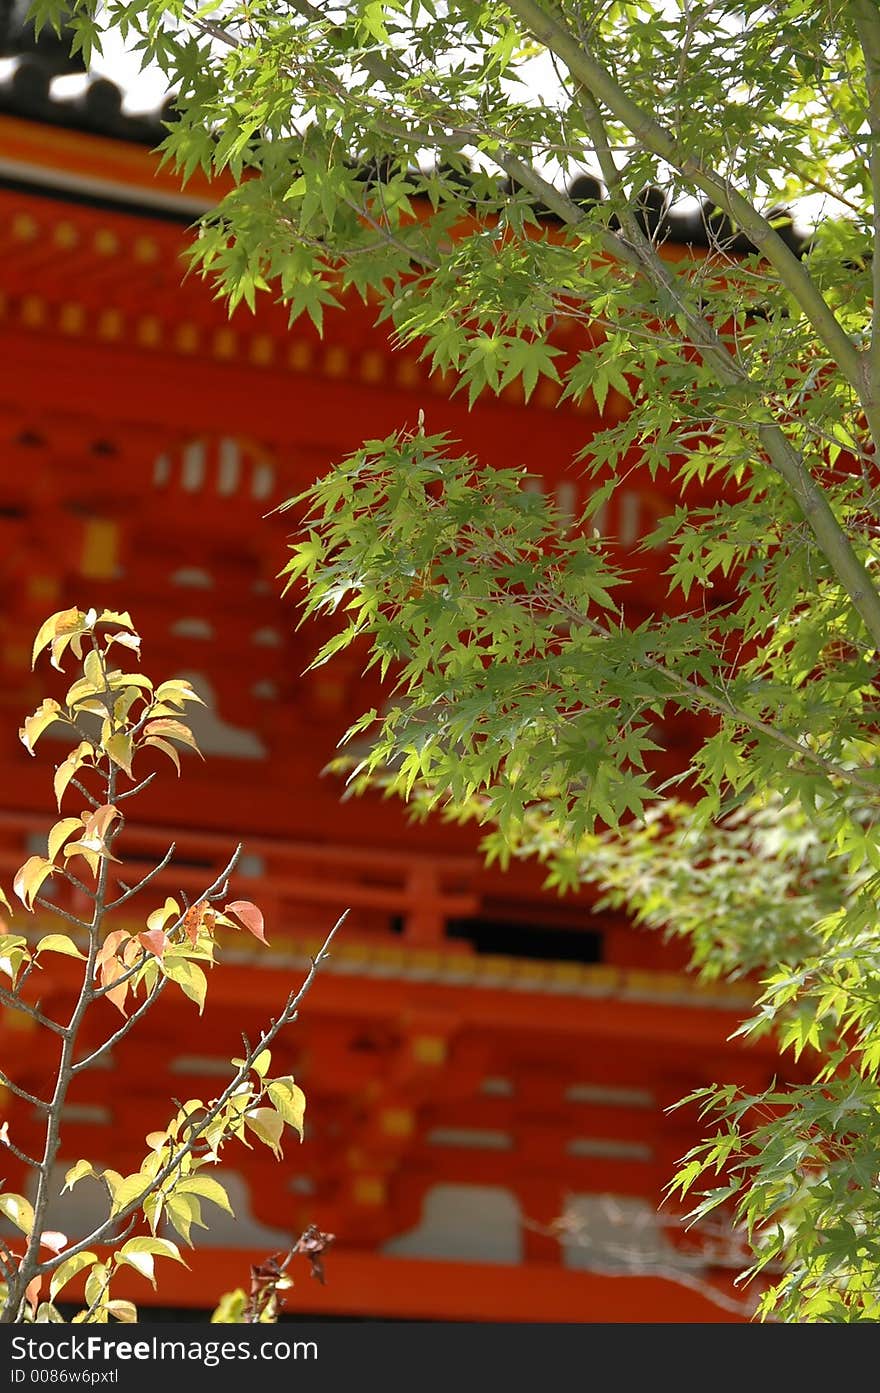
column 391, row 1288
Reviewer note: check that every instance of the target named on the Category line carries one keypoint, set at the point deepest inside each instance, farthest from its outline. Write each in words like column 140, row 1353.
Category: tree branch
column 288, row 1015
column 704, row 696
column 16, row 1003
column 135, row 889
column 867, row 22
column 7, row 1082
column 89, row 1059
column 553, row 34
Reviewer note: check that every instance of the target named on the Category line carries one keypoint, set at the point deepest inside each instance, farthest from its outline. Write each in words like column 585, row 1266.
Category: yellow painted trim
column 100, row 552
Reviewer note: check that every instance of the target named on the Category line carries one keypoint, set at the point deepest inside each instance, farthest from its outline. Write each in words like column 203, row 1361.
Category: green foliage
column 366, row 145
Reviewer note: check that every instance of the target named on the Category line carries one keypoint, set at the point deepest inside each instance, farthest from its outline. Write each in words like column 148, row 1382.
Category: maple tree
column 115, row 717
column 423, row 155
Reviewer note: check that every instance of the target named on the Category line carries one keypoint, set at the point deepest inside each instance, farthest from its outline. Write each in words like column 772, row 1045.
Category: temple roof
column 27, row 92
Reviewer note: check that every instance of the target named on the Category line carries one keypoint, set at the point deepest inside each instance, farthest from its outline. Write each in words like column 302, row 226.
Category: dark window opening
column 516, row 939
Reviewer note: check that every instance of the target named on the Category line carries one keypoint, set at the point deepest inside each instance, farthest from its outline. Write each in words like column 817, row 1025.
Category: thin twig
column 142, row 884
column 138, row 788
column 16, row 1004
column 7, row 1082
column 89, row 1059
column 62, row 913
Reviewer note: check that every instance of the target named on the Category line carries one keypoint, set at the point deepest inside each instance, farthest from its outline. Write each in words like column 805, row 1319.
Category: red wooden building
column 478, row 1056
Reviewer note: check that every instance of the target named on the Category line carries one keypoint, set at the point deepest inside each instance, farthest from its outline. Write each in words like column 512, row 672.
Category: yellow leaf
column 96, row 1287
column 154, row 1247
column 132, row 641
column 159, row 917
column 60, row 832
column 88, row 853
column 230, row 1308
column 142, row 1263
column 177, row 692
column 206, row 1188
column 93, row 670
column 60, row 943
column 190, row 978
column 183, row 1211
column 18, row 1211
column 46, row 714
column 77, row 1172
column 66, row 770
column 81, row 689
column 67, row 1270
column 290, row 1101
column 128, row 1189
column 268, row 1126
column 123, row 703
column 119, row 748
column 125, row 1312
column 115, row 616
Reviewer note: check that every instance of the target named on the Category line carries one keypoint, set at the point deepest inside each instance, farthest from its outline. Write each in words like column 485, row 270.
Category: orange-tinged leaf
column 200, row 918
column 117, row 995
column 131, row 952
column 30, row 877
column 32, row 1292
column 110, row 947
column 97, row 823
column 166, row 749
column 53, row 1240
column 250, row 916
column 155, row 942
column 66, row 621
column 171, row 729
